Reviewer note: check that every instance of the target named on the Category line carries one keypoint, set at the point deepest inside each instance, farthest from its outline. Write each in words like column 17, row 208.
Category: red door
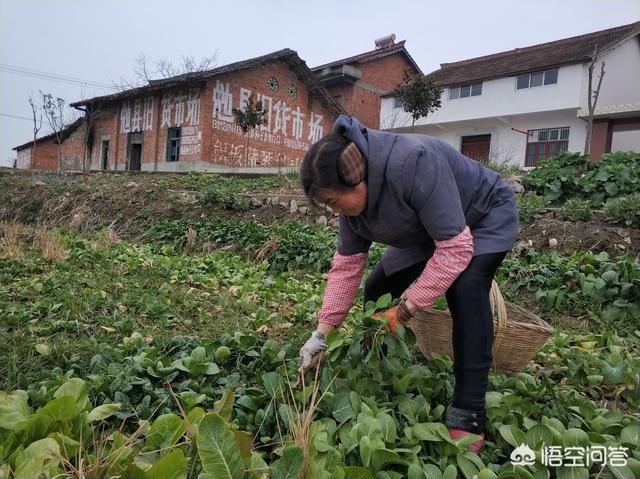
column 476, row 147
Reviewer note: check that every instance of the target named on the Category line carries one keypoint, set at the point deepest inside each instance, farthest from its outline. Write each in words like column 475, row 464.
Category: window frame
column 544, row 78
column 541, row 149
column 171, row 140
column 458, row 91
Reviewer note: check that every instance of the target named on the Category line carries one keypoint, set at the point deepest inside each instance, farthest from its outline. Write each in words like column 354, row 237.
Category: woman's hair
column 319, row 169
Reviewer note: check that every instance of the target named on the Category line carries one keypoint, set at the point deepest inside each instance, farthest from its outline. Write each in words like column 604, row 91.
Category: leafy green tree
column 248, row 118
column 418, row 94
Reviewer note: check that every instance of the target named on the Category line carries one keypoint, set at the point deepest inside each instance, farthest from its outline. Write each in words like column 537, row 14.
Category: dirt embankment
column 129, row 203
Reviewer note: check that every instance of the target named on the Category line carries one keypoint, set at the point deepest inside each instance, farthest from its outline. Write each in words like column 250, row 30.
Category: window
column 173, row 144
column 397, row 102
column 531, row 80
column 464, row 91
column 545, row 143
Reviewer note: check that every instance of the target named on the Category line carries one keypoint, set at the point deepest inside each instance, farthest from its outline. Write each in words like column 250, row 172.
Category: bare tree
column 37, row 125
column 53, row 109
column 592, row 98
column 145, row 70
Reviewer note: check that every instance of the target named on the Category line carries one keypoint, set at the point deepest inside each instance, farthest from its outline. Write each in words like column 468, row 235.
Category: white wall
column 23, row 158
column 508, row 146
column 499, row 98
column 621, row 82
column 625, row 141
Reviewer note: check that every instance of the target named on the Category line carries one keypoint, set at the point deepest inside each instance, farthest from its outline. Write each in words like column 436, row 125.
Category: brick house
column 72, row 138
column 359, row 82
column 524, row 105
column 185, row 123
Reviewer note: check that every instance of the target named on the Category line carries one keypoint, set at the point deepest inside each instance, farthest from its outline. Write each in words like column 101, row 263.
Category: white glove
column 317, row 343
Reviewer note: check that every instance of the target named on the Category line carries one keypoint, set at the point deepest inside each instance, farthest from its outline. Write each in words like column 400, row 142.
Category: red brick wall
column 46, row 157
column 104, row 126
column 73, row 149
column 384, row 74
column 215, row 139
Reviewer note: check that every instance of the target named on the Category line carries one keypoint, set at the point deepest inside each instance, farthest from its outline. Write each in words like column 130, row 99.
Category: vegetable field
column 169, row 350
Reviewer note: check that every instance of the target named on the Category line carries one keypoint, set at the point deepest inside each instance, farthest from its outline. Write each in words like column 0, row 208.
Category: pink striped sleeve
column 343, row 282
column 450, row 259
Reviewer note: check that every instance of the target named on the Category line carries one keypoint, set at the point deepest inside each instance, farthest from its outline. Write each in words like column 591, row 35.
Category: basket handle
column 499, row 309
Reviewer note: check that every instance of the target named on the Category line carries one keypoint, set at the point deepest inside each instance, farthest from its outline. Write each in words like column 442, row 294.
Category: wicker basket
column 515, row 342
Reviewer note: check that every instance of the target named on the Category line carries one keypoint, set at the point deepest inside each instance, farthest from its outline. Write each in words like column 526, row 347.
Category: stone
column 520, row 247
column 255, row 202
column 514, row 183
column 553, row 243
column 322, row 220
column 39, row 183
column 131, row 184
column 303, row 210
column 293, row 206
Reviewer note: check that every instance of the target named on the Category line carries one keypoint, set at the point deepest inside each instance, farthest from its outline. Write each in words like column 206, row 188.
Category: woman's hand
column 406, row 310
column 312, row 351
column 400, row 314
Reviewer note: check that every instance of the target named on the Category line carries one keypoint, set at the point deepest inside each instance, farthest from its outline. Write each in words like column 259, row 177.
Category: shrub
column 575, row 209
column 504, row 168
column 565, row 176
column 614, row 175
column 624, row 210
column 530, row 205
column 557, row 178
column 217, row 196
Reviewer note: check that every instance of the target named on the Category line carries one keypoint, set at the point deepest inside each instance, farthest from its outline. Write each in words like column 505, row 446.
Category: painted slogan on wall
column 283, row 125
column 176, row 110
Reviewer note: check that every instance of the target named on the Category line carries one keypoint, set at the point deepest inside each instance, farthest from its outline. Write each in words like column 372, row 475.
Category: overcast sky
column 98, row 40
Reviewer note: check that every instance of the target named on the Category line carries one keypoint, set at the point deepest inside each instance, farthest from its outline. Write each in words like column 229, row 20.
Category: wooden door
column 476, row 147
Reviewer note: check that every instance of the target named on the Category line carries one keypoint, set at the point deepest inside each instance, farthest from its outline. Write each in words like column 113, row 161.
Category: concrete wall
column 24, row 157
column 621, row 82
column 625, row 141
column 499, row 98
column 508, row 146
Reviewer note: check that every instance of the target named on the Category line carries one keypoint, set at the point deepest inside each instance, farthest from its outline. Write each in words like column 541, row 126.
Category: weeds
column 10, row 239
column 49, row 244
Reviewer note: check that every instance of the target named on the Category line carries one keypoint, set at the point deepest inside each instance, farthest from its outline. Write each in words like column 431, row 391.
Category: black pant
column 468, row 300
